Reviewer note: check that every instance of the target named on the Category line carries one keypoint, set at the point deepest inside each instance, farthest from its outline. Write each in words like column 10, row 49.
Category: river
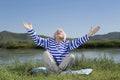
column 8, row 56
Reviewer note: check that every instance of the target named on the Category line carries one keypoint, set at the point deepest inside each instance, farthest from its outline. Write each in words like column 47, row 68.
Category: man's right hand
column 27, row 26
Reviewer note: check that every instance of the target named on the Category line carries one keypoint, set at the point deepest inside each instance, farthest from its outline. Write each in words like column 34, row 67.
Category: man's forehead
column 59, row 29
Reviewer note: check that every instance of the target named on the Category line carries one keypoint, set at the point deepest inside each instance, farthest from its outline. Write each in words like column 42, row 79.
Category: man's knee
column 46, row 56
column 72, row 56
column 46, row 53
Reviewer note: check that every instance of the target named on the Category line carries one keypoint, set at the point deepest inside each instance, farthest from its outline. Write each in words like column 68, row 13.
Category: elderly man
column 57, row 57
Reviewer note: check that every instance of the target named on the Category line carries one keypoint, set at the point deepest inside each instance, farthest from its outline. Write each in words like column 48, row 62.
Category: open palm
column 93, row 30
column 27, row 26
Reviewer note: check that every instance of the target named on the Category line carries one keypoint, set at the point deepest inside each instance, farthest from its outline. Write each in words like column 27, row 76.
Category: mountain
column 109, row 36
column 10, row 37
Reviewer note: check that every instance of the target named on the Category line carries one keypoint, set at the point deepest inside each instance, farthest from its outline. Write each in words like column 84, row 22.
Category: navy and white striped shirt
column 58, row 50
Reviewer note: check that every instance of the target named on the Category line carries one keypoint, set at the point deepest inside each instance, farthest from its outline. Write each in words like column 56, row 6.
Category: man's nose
column 59, row 32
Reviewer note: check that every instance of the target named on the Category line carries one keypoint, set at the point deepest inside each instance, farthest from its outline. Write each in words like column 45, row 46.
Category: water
column 8, row 56
column 113, row 54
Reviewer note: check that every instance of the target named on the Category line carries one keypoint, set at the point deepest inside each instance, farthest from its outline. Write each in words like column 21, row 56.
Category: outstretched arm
column 73, row 44
column 27, row 26
column 38, row 40
column 93, row 31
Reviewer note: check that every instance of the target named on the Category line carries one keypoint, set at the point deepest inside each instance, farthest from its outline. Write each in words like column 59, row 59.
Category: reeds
column 89, row 44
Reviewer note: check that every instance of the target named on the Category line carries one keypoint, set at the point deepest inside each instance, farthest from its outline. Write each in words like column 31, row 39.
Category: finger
column 23, row 23
column 96, row 29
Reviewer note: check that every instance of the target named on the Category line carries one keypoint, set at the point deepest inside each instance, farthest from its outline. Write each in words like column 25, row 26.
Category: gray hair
column 64, row 38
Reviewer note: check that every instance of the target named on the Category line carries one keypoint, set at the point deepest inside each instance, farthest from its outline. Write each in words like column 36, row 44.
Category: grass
column 89, row 44
column 103, row 69
column 102, row 44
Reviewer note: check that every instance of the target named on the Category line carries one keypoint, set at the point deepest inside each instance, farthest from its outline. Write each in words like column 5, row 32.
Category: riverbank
column 103, row 69
column 89, row 44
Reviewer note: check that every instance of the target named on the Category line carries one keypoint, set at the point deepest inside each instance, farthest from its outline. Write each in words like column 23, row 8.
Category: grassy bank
column 19, row 46
column 103, row 69
column 102, row 44
column 89, row 44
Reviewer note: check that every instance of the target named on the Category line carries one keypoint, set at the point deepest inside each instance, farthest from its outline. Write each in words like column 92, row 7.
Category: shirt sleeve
column 73, row 44
column 38, row 40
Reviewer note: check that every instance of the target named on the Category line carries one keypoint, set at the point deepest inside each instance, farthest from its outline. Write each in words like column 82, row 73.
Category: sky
column 75, row 17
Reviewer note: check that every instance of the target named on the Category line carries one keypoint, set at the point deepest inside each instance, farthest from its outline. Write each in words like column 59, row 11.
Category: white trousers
column 53, row 67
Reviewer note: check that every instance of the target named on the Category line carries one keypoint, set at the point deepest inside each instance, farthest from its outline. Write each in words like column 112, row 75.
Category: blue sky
column 75, row 17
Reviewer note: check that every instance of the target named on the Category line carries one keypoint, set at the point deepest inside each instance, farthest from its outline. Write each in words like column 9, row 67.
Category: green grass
column 102, row 44
column 103, row 69
column 89, row 44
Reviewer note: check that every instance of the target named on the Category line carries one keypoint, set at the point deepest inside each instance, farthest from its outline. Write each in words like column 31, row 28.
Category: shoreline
column 103, row 69
column 87, row 45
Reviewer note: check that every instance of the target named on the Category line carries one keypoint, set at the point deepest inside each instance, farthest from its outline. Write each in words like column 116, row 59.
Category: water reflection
column 100, row 53
column 9, row 56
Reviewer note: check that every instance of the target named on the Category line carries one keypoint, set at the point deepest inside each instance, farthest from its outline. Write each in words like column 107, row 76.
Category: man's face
column 59, row 33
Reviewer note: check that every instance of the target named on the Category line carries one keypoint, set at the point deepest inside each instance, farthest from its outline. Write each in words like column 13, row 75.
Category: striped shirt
column 58, row 50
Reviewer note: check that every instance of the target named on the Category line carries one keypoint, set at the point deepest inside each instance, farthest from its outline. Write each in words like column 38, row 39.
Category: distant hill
column 10, row 37
column 109, row 36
